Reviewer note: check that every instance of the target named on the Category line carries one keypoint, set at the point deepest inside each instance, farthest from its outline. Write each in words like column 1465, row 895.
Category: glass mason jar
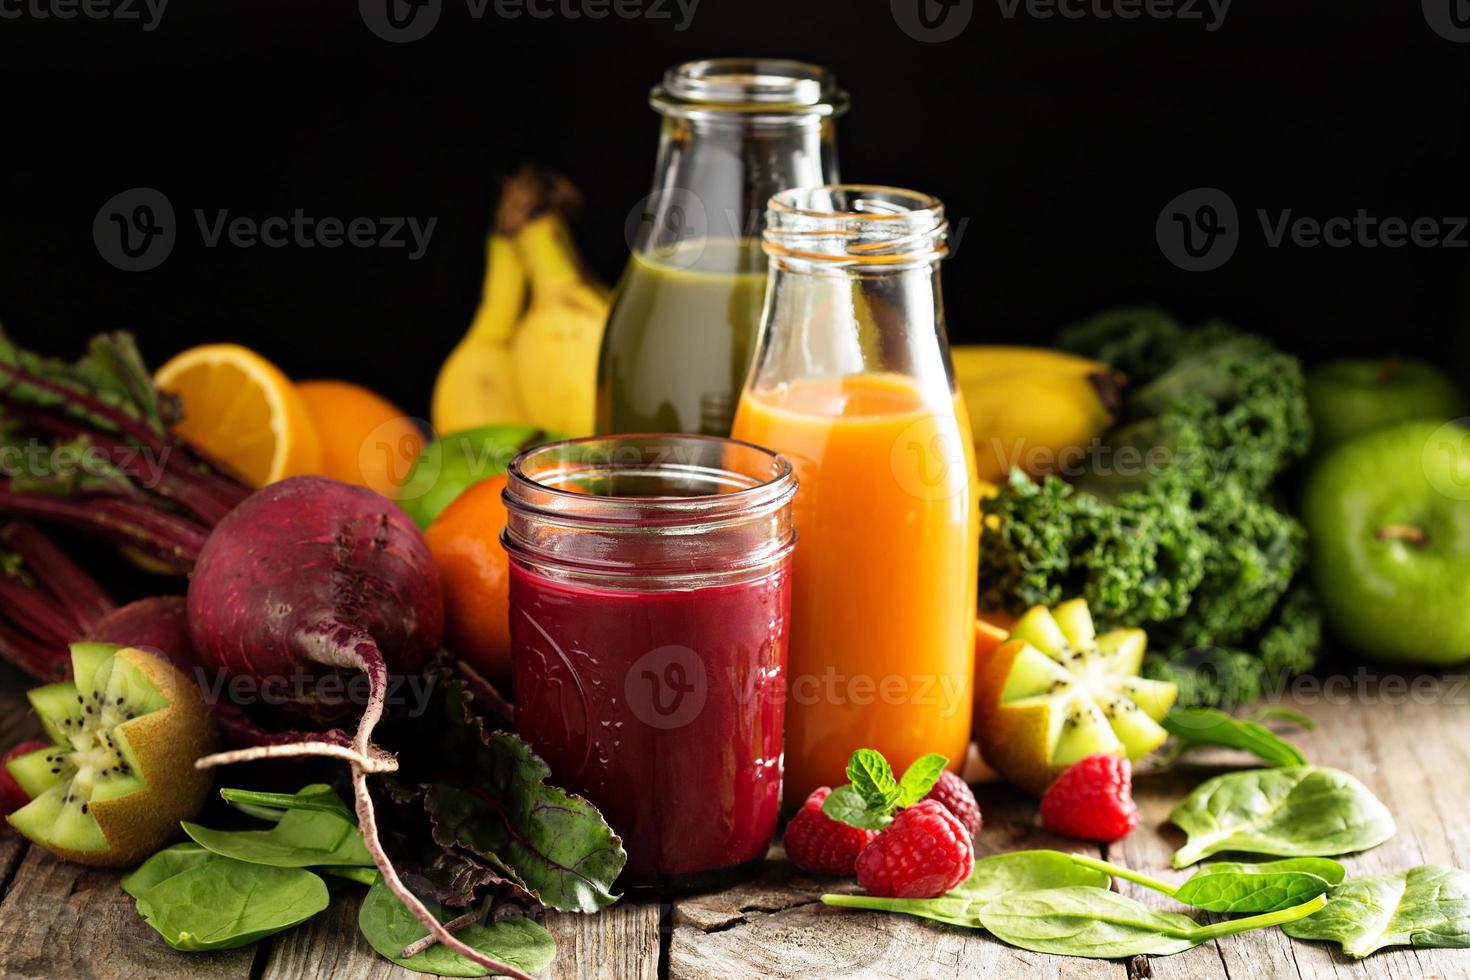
column 650, row 588
column 679, row 335
column 852, row 383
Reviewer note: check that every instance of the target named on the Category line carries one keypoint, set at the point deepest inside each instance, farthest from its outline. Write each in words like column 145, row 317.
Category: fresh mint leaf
column 845, row 805
column 872, row 777
column 919, row 778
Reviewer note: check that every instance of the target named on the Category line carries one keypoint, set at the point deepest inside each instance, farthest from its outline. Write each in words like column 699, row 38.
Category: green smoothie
column 680, row 337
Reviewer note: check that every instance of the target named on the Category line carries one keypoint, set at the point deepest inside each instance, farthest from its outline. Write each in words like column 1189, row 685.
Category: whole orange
column 475, row 573
column 365, row 438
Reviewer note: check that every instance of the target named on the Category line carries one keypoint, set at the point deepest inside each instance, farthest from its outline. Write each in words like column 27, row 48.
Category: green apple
column 1348, row 398
column 451, row 463
column 1389, row 519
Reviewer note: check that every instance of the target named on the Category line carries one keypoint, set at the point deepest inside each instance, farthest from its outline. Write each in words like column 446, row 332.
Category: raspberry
column 1092, row 800
column 923, row 853
column 957, row 799
column 823, row 846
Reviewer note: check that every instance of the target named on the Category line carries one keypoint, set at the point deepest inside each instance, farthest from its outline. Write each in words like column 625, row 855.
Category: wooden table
column 1412, row 749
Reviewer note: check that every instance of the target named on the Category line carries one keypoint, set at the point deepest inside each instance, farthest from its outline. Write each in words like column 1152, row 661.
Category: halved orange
column 240, row 408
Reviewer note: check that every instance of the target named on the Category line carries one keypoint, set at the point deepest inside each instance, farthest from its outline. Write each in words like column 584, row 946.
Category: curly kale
column 1171, row 527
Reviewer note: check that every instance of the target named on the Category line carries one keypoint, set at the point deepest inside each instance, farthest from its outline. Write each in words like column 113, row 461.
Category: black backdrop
column 1057, row 140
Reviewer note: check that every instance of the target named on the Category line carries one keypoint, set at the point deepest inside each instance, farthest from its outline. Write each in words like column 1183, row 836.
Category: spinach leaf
column 1424, row 906
column 1097, row 923
column 1207, row 726
column 320, row 834
column 992, row 877
column 1281, row 712
column 1244, row 888
column 318, row 798
column 1234, row 887
column 1291, row 811
column 222, row 903
column 165, row 864
column 919, row 778
column 389, row 927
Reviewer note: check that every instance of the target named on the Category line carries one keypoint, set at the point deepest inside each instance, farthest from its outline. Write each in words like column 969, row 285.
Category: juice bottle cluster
column 777, row 565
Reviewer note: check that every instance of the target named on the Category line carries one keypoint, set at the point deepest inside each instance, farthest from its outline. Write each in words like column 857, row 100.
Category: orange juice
column 883, row 602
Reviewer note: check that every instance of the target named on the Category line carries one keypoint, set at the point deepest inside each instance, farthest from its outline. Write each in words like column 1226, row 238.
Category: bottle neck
column 714, row 176
column 854, row 288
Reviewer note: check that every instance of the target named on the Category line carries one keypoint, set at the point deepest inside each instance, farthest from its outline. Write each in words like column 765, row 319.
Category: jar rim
column 760, row 493
column 712, row 88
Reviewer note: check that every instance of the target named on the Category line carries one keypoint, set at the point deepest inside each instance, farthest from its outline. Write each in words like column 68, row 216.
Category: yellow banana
column 972, row 361
column 557, row 341
column 503, row 297
column 476, row 385
column 1034, row 409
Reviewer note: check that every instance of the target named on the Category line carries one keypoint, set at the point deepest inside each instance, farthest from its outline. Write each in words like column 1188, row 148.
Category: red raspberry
column 957, row 799
column 823, row 846
column 923, row 853
column 1093, row 800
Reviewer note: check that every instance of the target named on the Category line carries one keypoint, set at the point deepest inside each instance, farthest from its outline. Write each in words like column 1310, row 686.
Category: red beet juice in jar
column 649, row 597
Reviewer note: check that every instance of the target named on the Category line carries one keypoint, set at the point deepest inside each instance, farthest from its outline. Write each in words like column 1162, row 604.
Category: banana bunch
column 1033, row 408
column 530, row 355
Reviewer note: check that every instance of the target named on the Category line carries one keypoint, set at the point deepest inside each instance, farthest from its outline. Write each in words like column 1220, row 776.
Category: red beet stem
column 172, row 539
column 42, row 661
column 63, row 578
column 37, row 613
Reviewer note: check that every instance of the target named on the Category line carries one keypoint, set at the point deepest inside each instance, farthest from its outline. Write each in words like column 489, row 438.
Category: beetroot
column 314, row 574
column 159, row 624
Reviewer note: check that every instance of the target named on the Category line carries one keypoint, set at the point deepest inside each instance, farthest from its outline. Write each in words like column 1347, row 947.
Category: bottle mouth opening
column 748, row 87
column 856, row 224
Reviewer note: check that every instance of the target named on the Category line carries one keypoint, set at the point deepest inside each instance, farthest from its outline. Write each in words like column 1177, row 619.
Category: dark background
column 1057, row 141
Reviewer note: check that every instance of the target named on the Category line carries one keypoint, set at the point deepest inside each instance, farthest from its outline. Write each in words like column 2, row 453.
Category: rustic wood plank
column 330, row 946
column 63, row 920
column 621, row 942
column 776, row 925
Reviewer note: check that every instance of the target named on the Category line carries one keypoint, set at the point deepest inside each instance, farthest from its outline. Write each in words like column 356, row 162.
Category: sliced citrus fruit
column 239, row 408
column 1055, row 692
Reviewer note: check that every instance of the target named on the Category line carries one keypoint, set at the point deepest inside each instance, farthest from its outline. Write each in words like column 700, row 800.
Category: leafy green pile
column 226, row 889
column 1170, row 525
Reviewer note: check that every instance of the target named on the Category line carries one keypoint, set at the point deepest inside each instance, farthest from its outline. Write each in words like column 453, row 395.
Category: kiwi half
column 119, row 773
column 1055, row 692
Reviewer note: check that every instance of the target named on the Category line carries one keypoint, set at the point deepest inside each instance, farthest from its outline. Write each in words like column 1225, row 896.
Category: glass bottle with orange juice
column 852, row 383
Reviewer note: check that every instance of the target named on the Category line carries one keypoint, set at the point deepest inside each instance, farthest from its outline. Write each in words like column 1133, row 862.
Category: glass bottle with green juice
column 681, row 331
